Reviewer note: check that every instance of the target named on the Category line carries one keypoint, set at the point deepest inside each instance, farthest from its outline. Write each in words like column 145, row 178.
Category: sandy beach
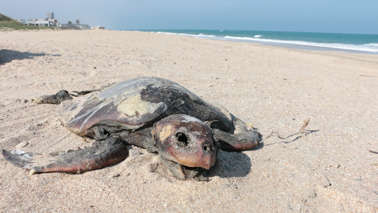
column 333, row 169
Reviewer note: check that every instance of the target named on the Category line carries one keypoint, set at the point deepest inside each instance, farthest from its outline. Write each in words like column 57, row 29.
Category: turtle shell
column 128, row 105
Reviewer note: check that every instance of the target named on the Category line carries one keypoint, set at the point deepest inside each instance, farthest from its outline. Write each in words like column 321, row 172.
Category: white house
column 50, row 21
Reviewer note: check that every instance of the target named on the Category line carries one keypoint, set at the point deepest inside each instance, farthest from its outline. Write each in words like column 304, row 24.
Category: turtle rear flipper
column 19, row 158
column 61, row 96
column 57, row 98
column 101, row 154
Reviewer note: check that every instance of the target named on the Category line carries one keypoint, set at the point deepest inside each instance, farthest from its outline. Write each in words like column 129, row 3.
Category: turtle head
column 185, row 140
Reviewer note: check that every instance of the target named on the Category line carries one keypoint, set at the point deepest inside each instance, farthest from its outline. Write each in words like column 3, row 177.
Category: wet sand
column 332, row 169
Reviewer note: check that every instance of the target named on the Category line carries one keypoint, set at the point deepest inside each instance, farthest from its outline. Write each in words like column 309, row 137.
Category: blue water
column 367, row 43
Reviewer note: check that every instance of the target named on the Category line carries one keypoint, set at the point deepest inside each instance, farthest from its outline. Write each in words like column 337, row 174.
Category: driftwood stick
column 300, row 133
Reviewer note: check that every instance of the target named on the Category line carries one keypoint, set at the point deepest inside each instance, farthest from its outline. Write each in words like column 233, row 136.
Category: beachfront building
column 41, row 22
column 75, row 26
column 49, row 21
column 98, row 28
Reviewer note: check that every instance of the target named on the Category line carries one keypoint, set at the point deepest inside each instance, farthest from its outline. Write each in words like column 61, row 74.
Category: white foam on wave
column 201, row 35
column 206, row 36
column 372, row 47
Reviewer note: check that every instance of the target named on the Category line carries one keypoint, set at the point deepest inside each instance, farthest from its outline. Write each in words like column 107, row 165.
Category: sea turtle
column 153, row 113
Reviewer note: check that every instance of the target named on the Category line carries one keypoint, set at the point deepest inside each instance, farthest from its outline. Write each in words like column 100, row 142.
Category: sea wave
column 206, row 36
column 370, row 47
column 200, row 35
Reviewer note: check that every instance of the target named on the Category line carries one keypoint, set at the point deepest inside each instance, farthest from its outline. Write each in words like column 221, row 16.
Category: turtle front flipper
column 237, row 142
column 101, row 154
column 243, row 138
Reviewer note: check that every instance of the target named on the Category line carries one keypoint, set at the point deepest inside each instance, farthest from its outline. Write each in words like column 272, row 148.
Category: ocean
column 365, row 43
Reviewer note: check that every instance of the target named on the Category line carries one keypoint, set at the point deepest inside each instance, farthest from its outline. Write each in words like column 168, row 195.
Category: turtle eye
column 207, row 147
column 182, row 139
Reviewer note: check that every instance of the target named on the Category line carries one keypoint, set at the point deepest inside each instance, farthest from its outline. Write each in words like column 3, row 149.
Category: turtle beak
column 202, row 155
column 209, row 155
column 209, row 162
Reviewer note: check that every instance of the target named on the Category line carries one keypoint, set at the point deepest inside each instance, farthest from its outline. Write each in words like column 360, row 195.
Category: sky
column 339, row 16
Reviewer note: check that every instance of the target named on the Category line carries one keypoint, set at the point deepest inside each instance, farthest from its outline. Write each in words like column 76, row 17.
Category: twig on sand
column 305, row 124
column 374, row 152
column 300, row 133
column 368, row 76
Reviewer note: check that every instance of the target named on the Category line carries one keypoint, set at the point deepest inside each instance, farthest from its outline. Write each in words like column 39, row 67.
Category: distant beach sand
column 333, row 169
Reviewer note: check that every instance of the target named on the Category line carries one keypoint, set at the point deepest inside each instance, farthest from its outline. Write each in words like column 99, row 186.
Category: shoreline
column 295, row 44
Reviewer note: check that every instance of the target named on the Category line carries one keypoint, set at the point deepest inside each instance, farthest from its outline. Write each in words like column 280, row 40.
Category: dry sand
column 275, row 89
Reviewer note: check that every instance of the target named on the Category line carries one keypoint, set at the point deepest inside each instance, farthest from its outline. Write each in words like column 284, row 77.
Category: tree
column 69, row 22
column 77, row 21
